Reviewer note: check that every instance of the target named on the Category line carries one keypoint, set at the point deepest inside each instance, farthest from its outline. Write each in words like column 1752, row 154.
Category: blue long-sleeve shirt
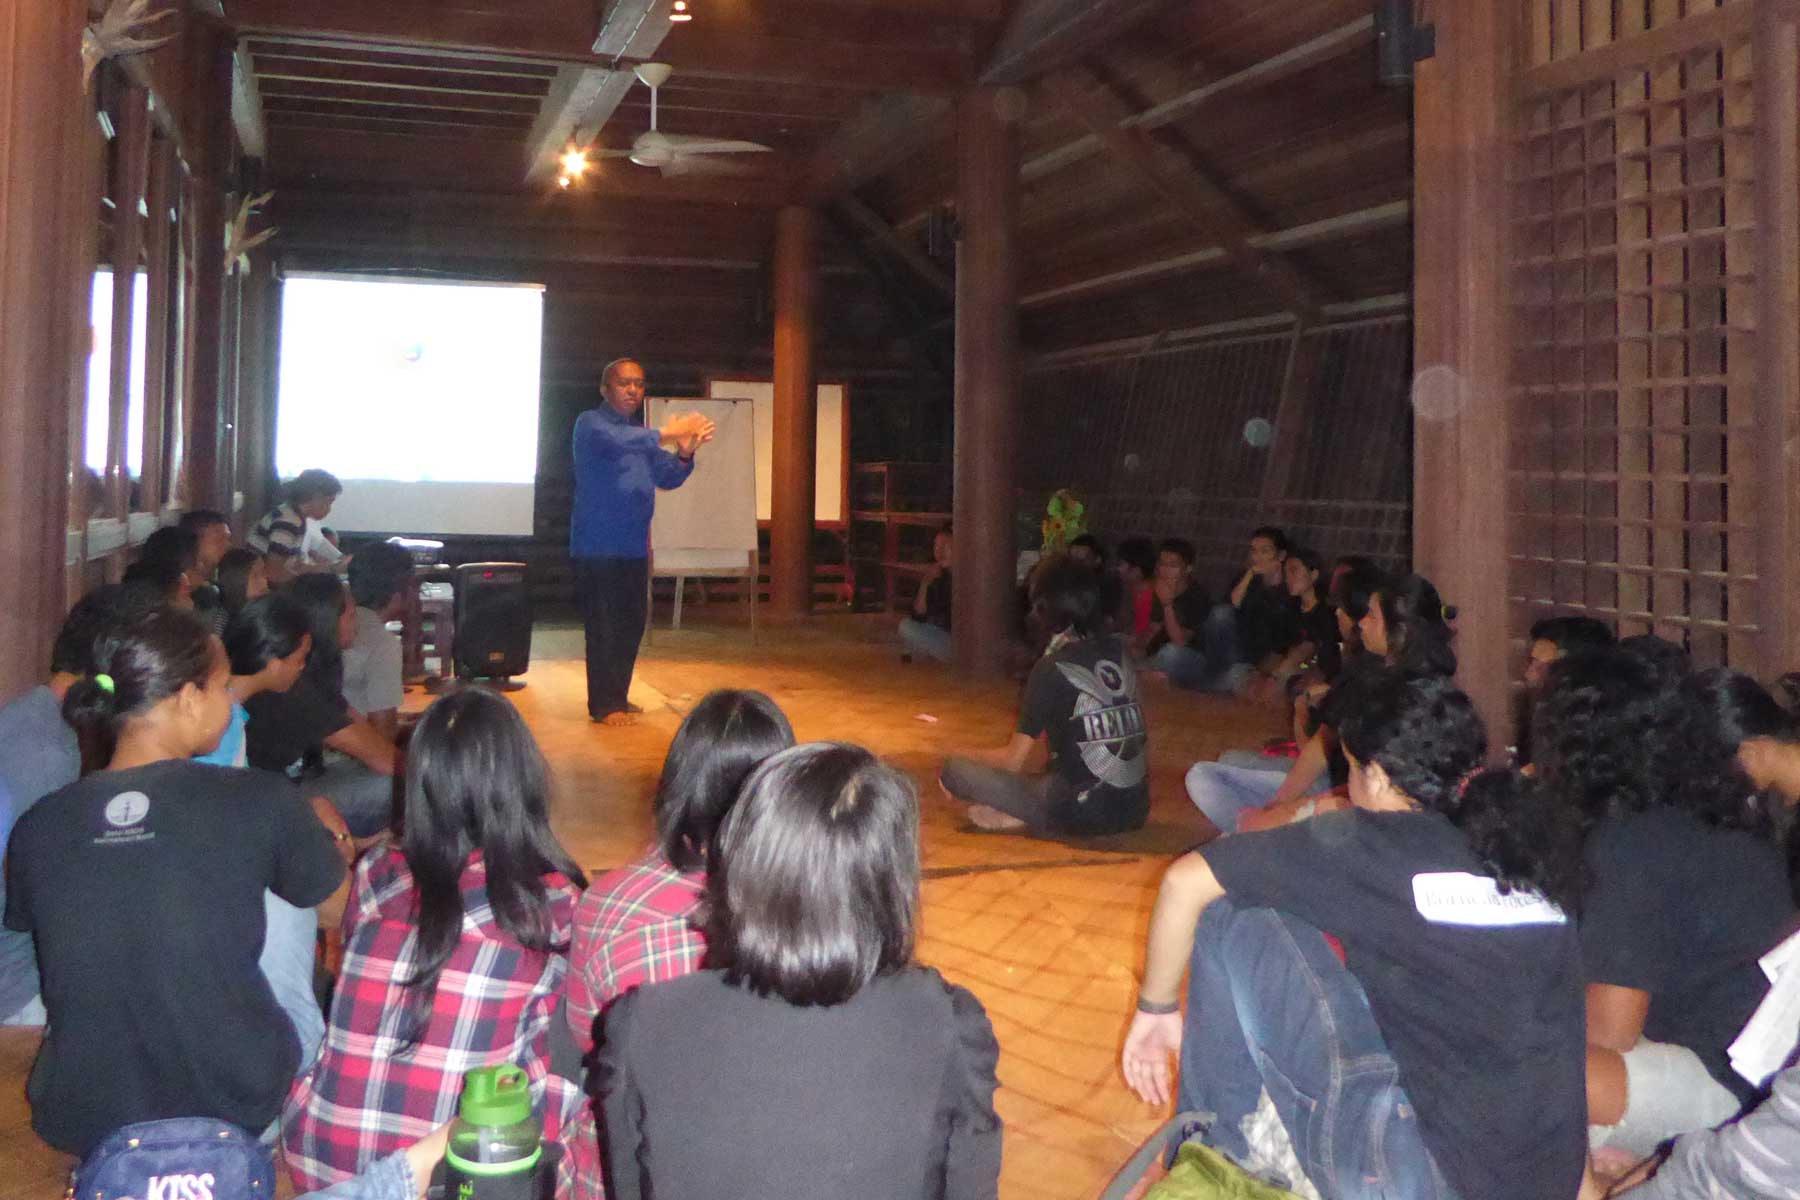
column 618, row 467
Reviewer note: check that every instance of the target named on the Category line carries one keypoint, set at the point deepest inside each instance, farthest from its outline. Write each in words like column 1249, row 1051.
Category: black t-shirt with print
column 283, row 726
column 1478, row 995
column 1683, row 910
column 144, row 890
column 1267, row 620
column 1084, row 698
column 1190, row 608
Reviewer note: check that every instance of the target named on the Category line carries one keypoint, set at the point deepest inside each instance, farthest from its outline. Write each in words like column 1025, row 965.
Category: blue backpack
column 186, row 1158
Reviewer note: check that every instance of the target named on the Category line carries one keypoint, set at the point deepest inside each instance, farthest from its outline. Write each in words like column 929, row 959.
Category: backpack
column 185, row 1158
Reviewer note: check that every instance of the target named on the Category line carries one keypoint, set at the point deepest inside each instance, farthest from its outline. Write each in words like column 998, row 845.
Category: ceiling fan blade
column 706, row 164
column 609, row 154
column 688, row 144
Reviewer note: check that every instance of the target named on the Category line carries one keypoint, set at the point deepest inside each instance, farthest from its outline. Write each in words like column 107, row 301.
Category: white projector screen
column 420, row 395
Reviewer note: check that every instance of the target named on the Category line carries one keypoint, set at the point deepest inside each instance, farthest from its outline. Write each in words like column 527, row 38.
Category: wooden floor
column 1048, row 935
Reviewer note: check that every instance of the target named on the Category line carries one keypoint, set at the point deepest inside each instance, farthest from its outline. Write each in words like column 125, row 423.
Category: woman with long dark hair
column 143, row 884
column 242, row 577
column 813, row 1057
column 309, row 733
column 1441, row 1056
column 455, row 949
column 639, row 924
column 1689, row 887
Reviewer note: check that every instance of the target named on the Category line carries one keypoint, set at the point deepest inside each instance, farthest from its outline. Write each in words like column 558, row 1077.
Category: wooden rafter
column 1041, row 34
column 867, row 225
column 573, row 103
column 1175, row 178
column 883, row 133
column 246, row 106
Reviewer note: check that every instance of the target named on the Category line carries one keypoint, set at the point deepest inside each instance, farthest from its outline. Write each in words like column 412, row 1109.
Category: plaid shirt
column 366, row 1097
column 633, row 926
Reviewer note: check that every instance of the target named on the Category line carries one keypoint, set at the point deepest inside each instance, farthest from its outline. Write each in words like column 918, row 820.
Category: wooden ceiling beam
column 246, row 106
column 574, row 94
column 276, row 91
column 412, row 26
column 1042, row 34
column 708, row 52
column 372, row 75
column 868, row 225
column 885, row 132
column 339, row 52
column 1214, row 211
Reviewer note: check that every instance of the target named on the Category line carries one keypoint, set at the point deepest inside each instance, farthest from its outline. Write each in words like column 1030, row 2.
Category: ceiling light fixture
column 574, row 163
column 680, row 12
column 563, row 181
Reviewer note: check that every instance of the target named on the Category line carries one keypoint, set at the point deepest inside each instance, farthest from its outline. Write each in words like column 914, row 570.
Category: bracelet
column 1151, row 1008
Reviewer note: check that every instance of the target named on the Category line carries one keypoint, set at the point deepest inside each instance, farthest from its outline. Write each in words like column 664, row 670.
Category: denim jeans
column 926, row 640
column 1272, row 1010
column 364, row 799
column 1226, row 791
column 290, row 943
column 1211, row 662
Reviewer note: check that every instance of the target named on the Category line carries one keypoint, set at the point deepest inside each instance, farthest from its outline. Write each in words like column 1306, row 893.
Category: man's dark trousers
column 612, row 594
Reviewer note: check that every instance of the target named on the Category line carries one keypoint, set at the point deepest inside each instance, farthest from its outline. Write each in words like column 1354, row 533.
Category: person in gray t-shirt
column 39, row 754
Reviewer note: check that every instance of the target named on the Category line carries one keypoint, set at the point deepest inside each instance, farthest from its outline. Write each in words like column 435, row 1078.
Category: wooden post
column 987, row 375
column 1460, row 338
column 793, row 447
column 49, row 204
column 158, row 254
column 208, row 471
column 1293, row 413
column 1777, row 96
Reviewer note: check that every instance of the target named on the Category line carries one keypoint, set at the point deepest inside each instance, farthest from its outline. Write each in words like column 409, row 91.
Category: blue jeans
column 364, row 799
column 1226, row 791
column 926, row 640
column 1212, row 661
column 290, row 942
column 1271, row 1009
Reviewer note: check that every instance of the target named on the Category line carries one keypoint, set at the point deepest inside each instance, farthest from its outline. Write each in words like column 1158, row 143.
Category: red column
column 792, row 451
column 987, row 375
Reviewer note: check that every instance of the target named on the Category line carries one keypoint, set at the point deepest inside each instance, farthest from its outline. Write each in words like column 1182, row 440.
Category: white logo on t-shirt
column 127, row 808
column 1459, row 898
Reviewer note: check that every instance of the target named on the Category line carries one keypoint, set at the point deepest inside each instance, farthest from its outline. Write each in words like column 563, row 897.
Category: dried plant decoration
column 122, row 30
column 239, row 241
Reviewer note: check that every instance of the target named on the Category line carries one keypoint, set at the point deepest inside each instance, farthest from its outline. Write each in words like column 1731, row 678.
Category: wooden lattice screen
column 1635, row 260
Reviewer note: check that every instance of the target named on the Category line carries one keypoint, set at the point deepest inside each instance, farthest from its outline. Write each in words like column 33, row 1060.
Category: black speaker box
column 493, row 620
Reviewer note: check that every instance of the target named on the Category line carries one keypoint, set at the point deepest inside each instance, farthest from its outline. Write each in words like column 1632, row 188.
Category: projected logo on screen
column 408, row 382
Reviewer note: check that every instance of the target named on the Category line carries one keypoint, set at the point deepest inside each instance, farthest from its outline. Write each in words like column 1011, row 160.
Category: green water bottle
column 496, row 1145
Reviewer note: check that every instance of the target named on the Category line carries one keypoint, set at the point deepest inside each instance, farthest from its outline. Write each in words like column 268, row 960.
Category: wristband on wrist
column 1151, row 1008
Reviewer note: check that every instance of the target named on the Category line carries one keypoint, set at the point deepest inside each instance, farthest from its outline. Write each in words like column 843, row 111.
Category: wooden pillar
column 207, row 469
column 1460, row 338
column 793, row 449
column 49, row 205
column 1777, row 96
column 158, row 248
column 987, row 375
column 1293, row 417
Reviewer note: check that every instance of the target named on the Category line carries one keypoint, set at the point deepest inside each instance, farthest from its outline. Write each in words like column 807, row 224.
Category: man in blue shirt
column 619, row 464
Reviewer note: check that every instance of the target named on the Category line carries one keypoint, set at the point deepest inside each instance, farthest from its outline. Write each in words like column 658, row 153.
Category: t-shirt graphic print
column 1084, row 699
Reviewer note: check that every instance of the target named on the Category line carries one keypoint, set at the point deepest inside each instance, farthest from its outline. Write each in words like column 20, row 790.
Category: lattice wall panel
column 1633, row 382
column 1567, row 28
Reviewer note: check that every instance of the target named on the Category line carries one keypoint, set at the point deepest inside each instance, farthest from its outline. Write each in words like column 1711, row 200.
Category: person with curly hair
column 1442, row 1055
column 1688, row 888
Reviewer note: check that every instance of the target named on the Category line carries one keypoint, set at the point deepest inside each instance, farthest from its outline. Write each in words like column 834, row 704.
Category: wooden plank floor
column 1048, row 935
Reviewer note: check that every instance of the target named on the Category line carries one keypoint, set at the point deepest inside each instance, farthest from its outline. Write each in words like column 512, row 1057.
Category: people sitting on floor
column 310, row 734
column 165, row 579
column 1754, row 1158
column 1259, row 624
column 40, row 753
column 1135, row 564
column 813, row 1056
column 455, row 949
column 242, row 577
column 1088, row 551
column 142, row 884
column 1178, row 608
column 639, row 924
column 374, row 666
column 212, row 535
column 1406, row 626
column 926, row 632
column 267, row 644
column 1550, row 639
column 1688, row 887
column 289, row 536
column 1442, row 1055
column 1317, row 648
column 1082, row 699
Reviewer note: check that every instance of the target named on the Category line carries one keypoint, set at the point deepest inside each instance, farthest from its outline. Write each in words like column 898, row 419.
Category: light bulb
column 679, row 12
column 574, row 163
column 563, row 181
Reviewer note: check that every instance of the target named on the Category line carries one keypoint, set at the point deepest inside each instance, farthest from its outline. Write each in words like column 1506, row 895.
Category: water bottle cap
column 496, row 1096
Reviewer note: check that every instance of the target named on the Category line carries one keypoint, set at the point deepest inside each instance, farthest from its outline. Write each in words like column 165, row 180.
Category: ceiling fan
column 675, row 153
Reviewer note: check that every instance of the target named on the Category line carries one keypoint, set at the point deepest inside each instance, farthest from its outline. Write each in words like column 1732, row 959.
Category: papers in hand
column 1770, row 1035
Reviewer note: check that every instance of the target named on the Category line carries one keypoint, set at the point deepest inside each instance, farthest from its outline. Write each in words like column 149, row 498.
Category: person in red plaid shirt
column 455, row 950
column 635, row 925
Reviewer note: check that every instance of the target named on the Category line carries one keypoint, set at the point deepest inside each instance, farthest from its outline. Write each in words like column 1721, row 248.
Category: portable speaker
column 493, row 620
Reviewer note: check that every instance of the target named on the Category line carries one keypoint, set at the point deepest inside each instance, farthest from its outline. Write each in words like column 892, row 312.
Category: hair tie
column 1462, row 785
column 104, row 682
